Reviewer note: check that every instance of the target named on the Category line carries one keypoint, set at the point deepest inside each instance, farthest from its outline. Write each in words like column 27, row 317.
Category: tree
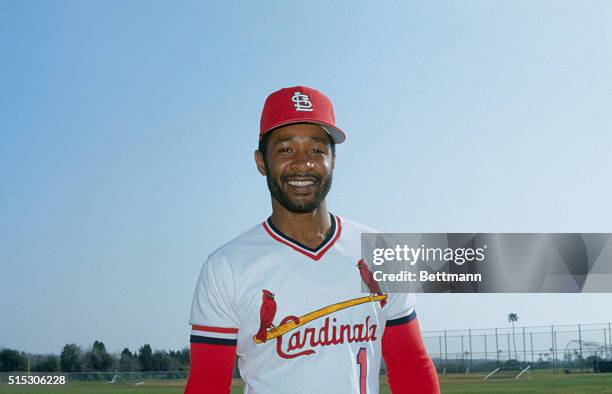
column 512, row 318
column 185, row 357
column 128, row 361
column 180, row 359
column 12, row 360
column 70, row 359
column 98, row 359
column 162, row 361
column 50, row 363
column 145, row 356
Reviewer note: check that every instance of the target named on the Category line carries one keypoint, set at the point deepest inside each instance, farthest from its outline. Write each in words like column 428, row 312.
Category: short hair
column 263, row 144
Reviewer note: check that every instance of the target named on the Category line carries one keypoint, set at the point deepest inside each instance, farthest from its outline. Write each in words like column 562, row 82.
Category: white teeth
column 301, row 183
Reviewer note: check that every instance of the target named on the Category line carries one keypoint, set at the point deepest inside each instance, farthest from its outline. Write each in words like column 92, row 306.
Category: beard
column 282, row 197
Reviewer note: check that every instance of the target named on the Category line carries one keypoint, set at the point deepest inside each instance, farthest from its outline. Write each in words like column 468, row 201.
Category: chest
column 314, row 303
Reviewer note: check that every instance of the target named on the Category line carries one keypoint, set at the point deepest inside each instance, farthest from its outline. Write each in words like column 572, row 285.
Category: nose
column 302, row 162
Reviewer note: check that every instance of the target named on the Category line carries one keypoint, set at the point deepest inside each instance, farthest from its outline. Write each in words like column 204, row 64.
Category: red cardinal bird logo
column 266, row 315
column 368, row 279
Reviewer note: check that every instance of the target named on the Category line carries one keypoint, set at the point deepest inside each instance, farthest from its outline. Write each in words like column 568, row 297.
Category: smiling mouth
column 302, row 185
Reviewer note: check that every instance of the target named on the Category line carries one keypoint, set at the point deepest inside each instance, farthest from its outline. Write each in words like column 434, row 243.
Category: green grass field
column 538, row 382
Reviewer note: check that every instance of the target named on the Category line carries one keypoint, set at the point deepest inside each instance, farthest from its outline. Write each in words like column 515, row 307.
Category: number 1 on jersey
column 362, row 361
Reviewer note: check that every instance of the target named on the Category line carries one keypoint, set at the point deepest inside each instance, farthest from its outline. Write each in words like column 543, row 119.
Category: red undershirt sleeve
column 210, row 369
column 409, row 368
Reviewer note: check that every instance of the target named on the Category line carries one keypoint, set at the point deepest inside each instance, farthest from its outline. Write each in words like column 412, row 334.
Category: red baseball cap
column 299, row 104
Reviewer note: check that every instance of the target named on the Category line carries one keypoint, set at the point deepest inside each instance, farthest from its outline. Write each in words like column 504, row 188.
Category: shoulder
column 221, row 264
column 241, row 247
column 351, row 232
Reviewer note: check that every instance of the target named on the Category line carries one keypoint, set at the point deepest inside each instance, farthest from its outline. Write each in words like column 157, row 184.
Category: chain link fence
column 562, row 348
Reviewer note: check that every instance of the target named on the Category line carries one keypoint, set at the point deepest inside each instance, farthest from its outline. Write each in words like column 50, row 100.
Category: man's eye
column 318, row 151
column 284, row 150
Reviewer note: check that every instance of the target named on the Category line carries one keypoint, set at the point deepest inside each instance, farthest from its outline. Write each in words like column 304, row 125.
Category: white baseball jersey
column 327, row 334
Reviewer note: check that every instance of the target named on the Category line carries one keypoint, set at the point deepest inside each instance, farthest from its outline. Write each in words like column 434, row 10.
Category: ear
column 259, row 162
column 333, row 164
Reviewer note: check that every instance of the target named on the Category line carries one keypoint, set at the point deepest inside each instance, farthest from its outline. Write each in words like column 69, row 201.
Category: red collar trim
column 315, row 254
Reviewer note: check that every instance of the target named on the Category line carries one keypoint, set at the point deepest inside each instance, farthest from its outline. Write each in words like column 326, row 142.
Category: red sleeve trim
column 222, row 330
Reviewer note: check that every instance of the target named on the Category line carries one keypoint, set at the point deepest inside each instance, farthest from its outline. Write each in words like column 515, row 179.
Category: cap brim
column 335, row 133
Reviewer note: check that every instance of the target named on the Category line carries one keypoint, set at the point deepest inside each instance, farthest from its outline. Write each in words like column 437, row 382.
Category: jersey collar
column 314, row 254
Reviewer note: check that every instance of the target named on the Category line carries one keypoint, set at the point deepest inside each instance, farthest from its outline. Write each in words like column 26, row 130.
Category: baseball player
column 285, row 296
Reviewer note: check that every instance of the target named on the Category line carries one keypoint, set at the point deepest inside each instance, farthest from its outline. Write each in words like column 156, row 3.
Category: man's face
column 298, row 166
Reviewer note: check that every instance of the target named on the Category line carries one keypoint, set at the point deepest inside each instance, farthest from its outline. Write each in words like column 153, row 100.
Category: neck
column 309, row 228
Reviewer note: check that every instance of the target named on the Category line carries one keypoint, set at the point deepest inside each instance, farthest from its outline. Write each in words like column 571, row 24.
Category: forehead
column 299, row 131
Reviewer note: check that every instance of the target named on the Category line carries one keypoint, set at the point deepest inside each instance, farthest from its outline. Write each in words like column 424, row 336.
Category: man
column 286, row 297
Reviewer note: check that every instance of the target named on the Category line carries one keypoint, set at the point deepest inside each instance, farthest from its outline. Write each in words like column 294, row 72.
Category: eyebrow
column 316, row 139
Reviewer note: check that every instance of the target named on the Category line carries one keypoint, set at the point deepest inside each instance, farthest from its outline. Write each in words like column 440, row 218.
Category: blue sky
column 128, row 131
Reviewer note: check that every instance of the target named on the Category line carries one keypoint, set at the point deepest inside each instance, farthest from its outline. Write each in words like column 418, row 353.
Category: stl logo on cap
column 299, row 104
column 302, row 102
